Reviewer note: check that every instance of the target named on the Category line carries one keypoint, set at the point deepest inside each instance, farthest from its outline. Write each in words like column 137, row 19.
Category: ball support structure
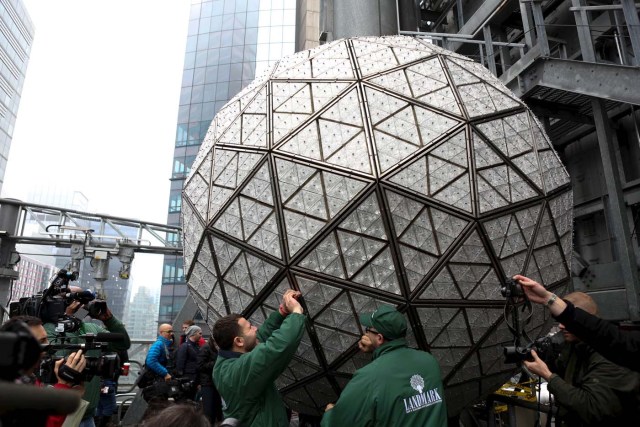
column 377, row 170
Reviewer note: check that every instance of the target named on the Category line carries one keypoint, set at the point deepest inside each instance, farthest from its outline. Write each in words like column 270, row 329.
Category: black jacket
column 206, row 360
column 589, row 390
column 187, row 360
column 621, row 347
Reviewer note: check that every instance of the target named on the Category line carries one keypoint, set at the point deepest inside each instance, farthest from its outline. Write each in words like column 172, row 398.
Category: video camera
column 511, row 289
column 547, row 347
column 106, row 366
column 50, row 305
column 176, row 388
column 19, row 351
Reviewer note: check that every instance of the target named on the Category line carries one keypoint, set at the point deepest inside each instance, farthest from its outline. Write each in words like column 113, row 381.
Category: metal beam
column 558, row 111
column 606, row 81
column 617, row 210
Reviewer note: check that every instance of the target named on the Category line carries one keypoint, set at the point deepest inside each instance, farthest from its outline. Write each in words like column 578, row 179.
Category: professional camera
column 51, row 304
column 175, row 388
column 511, row 289
column 19, row 352
column 547, row 348
column 106, row 366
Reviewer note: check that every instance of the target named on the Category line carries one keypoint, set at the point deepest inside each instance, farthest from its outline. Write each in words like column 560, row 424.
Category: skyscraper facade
column 229, row 42
column 16, row 36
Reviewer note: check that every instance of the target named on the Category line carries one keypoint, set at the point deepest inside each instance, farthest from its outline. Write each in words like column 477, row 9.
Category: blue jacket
column 157, row 357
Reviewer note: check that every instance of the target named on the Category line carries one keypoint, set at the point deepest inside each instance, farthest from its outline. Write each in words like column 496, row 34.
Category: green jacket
column 589, row 390
column 92, row 388
column 400, row 387
column 246, row 380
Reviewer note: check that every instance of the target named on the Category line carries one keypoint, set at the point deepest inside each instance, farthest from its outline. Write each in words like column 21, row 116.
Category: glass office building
column 16, row 36
column 229, row 42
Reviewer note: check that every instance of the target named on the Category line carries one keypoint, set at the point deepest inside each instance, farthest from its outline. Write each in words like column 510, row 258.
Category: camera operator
column 112, row 324
column 589, row 390
column 621, row 347
column 74, row 364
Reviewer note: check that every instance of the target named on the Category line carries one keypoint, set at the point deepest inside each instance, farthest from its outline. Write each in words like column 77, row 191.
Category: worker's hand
column 329, row 407
column 167, row 377
column 365, row 345
column 537, row 366
column 291, row 303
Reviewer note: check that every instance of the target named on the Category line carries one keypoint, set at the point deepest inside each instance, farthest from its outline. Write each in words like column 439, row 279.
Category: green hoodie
column 246, row 380
column 91, row 388
column 400, row 387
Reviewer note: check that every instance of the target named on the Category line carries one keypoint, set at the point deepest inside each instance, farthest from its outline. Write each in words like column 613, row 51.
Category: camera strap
column 69, row 375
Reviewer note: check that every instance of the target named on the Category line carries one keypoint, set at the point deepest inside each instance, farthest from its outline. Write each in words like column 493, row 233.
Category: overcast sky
column 99, row 106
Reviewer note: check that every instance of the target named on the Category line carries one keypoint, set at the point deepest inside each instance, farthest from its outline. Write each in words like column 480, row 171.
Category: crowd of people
column 229, row 379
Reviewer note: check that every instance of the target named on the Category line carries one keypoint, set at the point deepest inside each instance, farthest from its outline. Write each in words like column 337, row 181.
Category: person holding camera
column 187, row 358
column 68, row 372
column 621, row 347
column 589, row 390
column 113, row 325
column 409, row 393
column 250, row 360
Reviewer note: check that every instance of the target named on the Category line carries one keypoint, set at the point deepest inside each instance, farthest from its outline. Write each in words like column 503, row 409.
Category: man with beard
column 250, row 360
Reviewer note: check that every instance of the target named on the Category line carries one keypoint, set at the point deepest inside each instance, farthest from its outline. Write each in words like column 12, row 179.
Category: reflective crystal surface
column 375, row 171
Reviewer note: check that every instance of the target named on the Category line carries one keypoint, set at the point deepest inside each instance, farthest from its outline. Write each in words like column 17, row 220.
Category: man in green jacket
column 400, row 387
column 250, row 360
column 588, row 389
column 113, row 325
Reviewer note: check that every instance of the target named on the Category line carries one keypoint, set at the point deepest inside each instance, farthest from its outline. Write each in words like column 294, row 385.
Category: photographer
column 68, row 377
column 92, row 388
column 589, row 390
column 621, row 347
column 187, row 358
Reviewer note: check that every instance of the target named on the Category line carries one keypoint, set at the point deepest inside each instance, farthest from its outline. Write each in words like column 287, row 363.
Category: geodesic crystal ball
column 376, row 171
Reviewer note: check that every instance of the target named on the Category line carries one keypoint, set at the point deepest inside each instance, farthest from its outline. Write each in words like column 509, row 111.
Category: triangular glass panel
column 332, row 62
column 353, row 155
column 480, row 320
column 472, row 251
column 191, row 226
column 325, row 258
column 395, row 81
column 300, row 229
column 259, row 186
column 366, row 219
column 434, row 319
column 266, row 237
column 403, row 210
column 455, row 334
column 339, row 315
column 254, row 130
column 357, row 250
column 305, row 143
column 549, row 261
column 340, row 190
column 291, row 97
column 333, row 342
column 335, row 136
column 226, row 253
column 324, row 93
column 380, row 273
column 441, row 287
column 229, row 221
column 488, row 288
column 373, row 57
column 416, row 264
column 346, row 110
column 316, row 294
column 197, row 191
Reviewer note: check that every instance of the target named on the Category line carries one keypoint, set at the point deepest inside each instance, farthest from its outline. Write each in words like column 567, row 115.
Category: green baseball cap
column 386, row 320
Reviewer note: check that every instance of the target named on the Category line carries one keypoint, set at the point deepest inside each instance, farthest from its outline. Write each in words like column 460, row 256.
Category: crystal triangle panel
column 333, row 342
column 357, row 250
column 395, row 81
column 548, row 261
column 472, row 251
column 488, row 288
column 511, row 134
column 373, row 57
column 454, row 334
column 340, row 315
column 325, row 258
column 191, row 226
column 316, row 294
column 443, row 286
column 230, row 169
column 333, row 63
column 380, row 273
column 226, row 253
column 197, row 191
column 228, row 123
column 561, row 211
